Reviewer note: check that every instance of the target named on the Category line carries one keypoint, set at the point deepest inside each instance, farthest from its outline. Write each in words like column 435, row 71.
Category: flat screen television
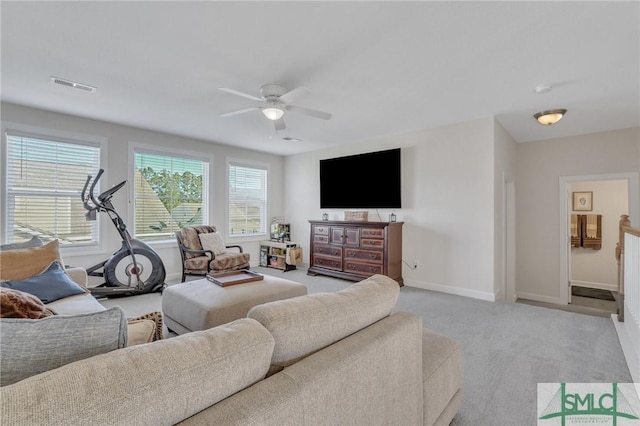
column 363, row 181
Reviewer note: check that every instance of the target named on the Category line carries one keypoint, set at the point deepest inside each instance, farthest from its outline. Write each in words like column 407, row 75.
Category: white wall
column 540, row 166
column 598, row 268
column 504, row 173
column 447, row 197
column 117, row 139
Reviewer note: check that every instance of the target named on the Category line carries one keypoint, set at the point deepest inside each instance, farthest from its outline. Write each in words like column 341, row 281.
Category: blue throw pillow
column 51, row 285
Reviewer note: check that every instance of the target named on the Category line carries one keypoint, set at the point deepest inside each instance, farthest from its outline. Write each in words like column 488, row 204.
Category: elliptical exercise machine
column 135, row 268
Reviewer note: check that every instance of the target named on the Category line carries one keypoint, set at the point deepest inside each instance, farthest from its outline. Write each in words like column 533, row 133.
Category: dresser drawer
column 321, row 230
column 369, row 243
column 320, row 238
column 327, row 262
column 372, row 256
column 327, row 250
column 362, row 268
column 372, row 233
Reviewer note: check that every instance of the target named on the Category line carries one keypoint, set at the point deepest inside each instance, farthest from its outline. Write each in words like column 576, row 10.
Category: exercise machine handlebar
column 98, row 203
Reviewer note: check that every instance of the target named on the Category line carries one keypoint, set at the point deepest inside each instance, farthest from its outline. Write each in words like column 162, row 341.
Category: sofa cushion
column 305, row 324
column 24, row 263
column 33, row 242
column 74, row 305
column 50, row 285
column 441, row 377
column 140, row 331
column 160, row 383
column 18, row 304
column 32, row 346
column 214, row 242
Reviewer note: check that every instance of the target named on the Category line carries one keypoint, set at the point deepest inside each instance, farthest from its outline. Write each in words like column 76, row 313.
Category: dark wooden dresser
column 355, row 250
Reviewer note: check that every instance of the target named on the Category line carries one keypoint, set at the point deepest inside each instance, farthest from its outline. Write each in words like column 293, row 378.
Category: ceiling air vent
column 75, row 85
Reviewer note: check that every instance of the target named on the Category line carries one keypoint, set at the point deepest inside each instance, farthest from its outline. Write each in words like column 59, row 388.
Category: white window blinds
column 247, row 200
column 44, row 182
column 171, row 192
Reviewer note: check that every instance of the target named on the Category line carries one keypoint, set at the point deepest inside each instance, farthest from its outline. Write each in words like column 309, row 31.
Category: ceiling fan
column 275, row 100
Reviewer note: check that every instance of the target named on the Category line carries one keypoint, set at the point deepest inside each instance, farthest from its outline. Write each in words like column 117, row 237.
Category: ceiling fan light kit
column 273, row 112
column 549, row 117
column 275, row 101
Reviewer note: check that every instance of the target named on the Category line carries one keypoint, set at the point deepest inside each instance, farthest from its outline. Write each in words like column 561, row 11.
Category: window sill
column 162, row 243
column 246, row 238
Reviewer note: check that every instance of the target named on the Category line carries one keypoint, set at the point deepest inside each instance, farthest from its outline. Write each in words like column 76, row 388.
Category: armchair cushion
column 228, row 261
column 191, row 238
column 50, row 285
column 213, row 241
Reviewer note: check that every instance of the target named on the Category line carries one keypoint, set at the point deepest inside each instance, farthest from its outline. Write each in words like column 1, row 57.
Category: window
column 247, row 200
column 170, row 193
column 44, row 182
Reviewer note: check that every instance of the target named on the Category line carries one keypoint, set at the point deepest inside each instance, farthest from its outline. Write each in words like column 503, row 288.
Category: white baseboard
column 599, row 286
column 498, row 296
column 458, row 291
column 631, row 357
column 538, row 298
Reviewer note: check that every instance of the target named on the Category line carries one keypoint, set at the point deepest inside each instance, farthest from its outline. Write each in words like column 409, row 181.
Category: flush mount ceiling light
column 273, row 112
column 552, row 116
column 543, row 88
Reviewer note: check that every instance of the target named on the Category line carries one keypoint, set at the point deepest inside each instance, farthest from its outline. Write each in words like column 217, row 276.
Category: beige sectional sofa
column 324, row 358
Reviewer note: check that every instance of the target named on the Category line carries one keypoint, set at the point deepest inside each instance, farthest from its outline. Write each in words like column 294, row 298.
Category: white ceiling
column 380, row 68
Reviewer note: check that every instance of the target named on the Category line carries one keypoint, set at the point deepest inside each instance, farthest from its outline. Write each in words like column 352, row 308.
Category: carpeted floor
column 507, row 347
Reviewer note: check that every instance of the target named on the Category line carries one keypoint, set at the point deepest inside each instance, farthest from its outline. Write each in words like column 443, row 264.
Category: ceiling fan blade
column 244, row 95
column 291, row 95
column 310, row 112
column 240, row 111
column 279, row 124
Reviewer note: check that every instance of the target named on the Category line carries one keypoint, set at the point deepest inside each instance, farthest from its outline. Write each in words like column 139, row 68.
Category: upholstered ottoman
column 201, row 304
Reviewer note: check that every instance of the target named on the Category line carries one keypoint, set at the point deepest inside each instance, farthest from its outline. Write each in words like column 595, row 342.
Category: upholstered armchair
column 212, row 257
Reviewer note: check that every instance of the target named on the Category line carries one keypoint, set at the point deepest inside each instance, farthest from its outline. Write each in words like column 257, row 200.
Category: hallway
column 582, row 305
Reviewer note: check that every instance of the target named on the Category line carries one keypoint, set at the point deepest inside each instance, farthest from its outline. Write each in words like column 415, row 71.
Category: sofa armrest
column 78, row 275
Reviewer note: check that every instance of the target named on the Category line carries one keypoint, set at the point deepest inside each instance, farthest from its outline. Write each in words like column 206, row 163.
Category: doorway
column 593, row 270
column 571, row 184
